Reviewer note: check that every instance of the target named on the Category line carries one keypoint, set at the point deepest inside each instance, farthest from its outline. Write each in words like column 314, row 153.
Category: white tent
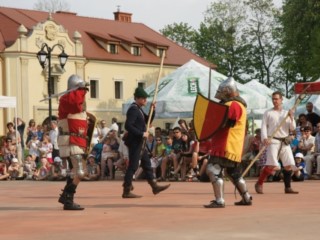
column 9, row 102
column 265, row 91
column 177, row 91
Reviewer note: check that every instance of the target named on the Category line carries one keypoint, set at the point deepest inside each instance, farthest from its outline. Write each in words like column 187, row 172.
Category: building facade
column 114, row 56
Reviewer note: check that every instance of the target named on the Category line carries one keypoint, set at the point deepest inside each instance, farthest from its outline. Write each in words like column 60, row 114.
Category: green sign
column 193, row 85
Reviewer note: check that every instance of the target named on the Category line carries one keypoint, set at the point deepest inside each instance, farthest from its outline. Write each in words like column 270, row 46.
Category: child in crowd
column 4, row 175
column 46, row 148
column 298, row 170
column 29, row 166
column 158, row 154
column 93, row 170
column 33, row 146
column 42, row 173
column 13, row 169
column 105, row 155
column 168, row 156
column 57, row 171
column 123, row 161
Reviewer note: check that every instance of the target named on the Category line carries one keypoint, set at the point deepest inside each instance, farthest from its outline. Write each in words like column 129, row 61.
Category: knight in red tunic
column 72, row 139
column 227, row 145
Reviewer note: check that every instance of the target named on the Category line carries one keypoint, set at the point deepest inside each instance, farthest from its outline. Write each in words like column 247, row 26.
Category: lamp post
column 44, row 57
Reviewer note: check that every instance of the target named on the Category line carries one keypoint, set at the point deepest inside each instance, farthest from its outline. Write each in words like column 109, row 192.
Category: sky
column 156, row 14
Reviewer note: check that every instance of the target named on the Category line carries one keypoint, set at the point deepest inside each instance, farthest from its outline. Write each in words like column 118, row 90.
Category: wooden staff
column 153, row 101
column 298, row 100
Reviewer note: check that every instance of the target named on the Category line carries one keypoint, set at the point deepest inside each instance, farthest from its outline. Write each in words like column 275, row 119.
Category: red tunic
column 70, row 106
column 71, row 103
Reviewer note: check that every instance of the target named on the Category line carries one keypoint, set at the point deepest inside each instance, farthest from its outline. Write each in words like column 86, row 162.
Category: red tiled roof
column 89, row 28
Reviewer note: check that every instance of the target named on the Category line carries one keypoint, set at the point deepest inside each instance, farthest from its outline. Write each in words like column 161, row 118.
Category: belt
column 73, row 134
column 279, row 139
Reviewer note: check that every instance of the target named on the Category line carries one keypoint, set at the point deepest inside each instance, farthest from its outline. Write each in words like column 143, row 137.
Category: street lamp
column 44, row 56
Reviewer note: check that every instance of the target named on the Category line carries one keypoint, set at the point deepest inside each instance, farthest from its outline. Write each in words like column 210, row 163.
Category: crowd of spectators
column 176, row 154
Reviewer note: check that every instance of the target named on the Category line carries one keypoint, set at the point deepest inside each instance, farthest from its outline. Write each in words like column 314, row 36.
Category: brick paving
column 29, row 210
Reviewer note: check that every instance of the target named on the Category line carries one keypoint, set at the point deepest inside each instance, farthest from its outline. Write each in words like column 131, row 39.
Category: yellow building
column 114, row 56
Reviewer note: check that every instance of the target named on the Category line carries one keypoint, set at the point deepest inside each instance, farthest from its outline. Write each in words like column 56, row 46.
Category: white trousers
column 277, row 150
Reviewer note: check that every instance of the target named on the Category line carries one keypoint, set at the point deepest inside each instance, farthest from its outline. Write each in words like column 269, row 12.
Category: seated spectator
column 46, row 148
column 298, row 169
column 4, row 175
column 57, row 170
column 168, row 157
column 174, row 156
column 123, row 160
column 29, row 166
column 200, row 157
column 294, row 144
column 302, row 122
column 106, row 153
column 9, row 151
column 158, row 154
column 188, row 149
column 93, row 170
column 150, row 145
column 252, row 149
column 306, row 146
column 317, row 152
column 184, row 157
column 42, row 173
column 97, row 152
column 14, row 169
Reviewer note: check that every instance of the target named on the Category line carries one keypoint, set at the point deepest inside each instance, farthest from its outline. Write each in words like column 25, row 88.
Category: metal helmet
column 226, row 88
column 75, row 81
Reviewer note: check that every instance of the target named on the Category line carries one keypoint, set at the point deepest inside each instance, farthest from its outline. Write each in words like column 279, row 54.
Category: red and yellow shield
column 208, row 117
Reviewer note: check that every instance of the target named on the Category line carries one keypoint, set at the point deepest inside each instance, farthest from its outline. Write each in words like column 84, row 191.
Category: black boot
column 156, row 188
column 66, row 198
column 127, row 192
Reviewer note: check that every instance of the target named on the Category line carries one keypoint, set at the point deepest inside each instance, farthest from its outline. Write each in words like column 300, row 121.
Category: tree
column 181, row 33
column 301, row 38
column 51, row 5
column 219, row 39
column 263, row 30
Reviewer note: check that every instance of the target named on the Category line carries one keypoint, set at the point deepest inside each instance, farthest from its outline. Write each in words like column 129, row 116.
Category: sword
column 65, row 92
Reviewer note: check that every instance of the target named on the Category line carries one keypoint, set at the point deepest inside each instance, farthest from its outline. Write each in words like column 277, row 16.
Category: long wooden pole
column 153, row 100
column 156, row 90
column 298, row 100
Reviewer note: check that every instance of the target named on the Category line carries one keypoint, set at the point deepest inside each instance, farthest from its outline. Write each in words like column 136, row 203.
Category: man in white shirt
column 103, row 130
column 114, row 126
column 277, row 148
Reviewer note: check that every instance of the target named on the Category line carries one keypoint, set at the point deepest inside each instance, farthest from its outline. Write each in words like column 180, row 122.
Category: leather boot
column 127, row 192
column 156, row 188
column 67, row 198
column 290, row 191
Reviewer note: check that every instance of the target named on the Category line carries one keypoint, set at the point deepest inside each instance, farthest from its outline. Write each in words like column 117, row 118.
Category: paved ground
column 29, row 210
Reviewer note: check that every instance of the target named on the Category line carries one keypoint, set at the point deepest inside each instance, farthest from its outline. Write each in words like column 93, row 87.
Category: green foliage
column 301, row 46
column 181, row 33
